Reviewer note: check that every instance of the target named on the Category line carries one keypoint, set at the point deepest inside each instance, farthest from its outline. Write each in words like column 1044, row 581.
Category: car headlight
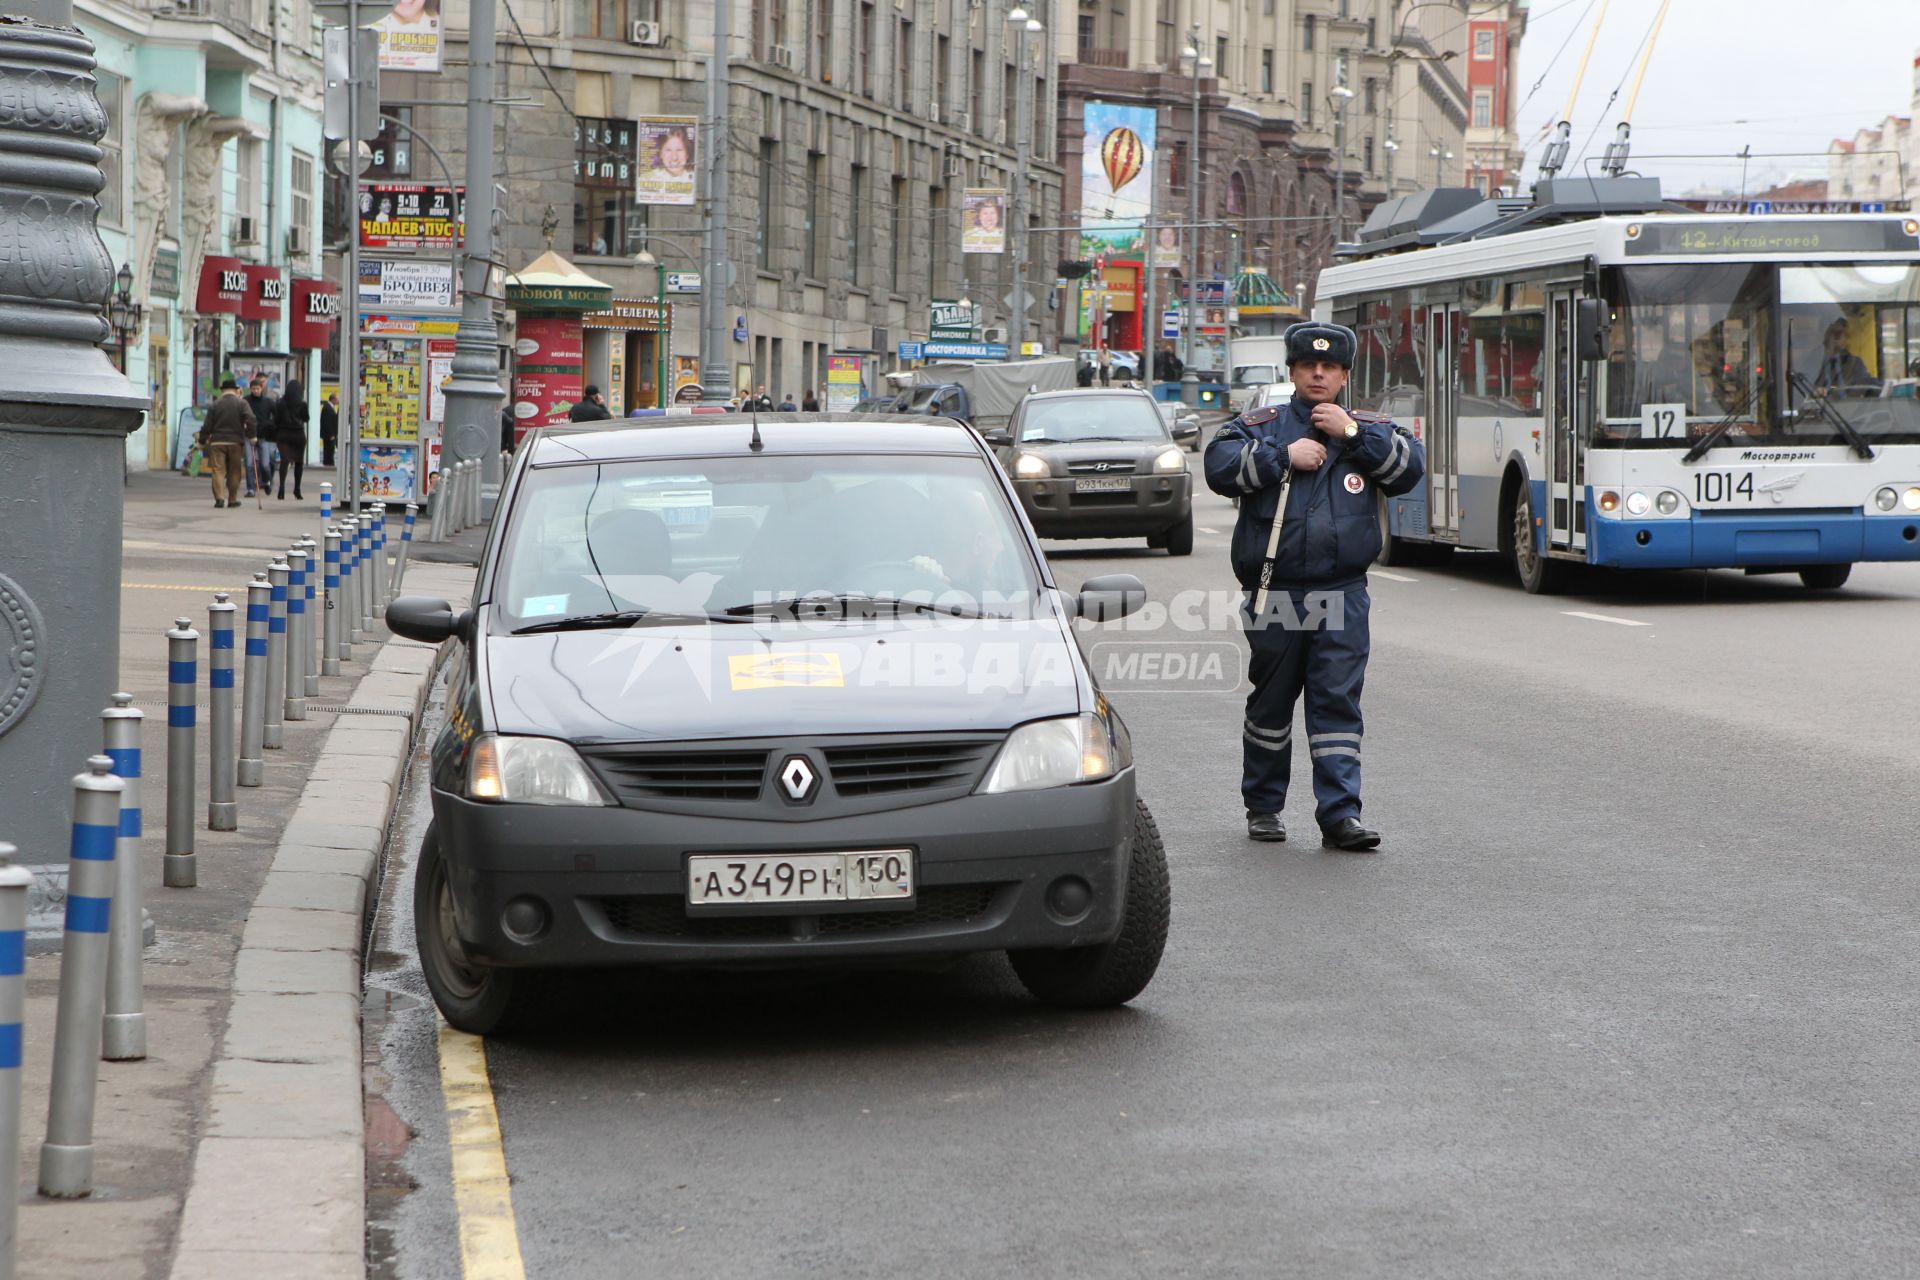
column 1886, row 499
column 1170, row 461
column 530, row 771
column 1058, row 753
column 1638, row 503
column 1031, row 466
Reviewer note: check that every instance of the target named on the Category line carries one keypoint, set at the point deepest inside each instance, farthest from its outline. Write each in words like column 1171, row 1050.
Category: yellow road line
column 489, row 1239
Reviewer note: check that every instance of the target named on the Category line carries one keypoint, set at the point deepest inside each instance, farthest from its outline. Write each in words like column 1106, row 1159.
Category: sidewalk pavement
column 235, row 1148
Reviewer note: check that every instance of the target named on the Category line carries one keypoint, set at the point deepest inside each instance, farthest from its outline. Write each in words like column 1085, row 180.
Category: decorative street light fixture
column 123, row 313
column 1025, row 88
column 1200, row 63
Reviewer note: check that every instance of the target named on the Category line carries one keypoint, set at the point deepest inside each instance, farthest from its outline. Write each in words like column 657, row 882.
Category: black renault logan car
column 792, row 691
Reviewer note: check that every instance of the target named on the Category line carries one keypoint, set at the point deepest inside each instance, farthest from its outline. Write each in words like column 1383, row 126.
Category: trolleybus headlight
column 1667, row 502
column 1609, row 501
column 1638, row 503
column 1911, row 499
column 1886, row 499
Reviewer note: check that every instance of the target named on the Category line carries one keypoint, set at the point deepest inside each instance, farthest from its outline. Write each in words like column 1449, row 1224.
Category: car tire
column 1179, row 539
column 472, row 998
column 1111, row 973
column 1825, row 577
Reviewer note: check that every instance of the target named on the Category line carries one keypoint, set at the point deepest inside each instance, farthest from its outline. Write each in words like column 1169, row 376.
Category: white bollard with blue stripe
column 330, row 606
column 223, row 810
column 273, row 734
column 309, row 658
column 253, row 699
column 66, row 1159
column 326, row 504
column 350, row 586
column 293, row 683
column 14, row 883
column 182, row 689
column 124, row 1028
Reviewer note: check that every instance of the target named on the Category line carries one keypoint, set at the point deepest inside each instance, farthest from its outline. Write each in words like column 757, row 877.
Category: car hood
column 1095, row 450
column 781, row 678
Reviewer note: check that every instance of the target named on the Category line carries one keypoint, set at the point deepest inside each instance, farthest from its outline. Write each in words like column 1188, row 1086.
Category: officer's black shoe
column 1349, row 835
column 1265, row 826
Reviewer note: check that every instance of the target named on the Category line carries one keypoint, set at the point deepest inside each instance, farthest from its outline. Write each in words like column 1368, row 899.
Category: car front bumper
column 611, row 883
column 1154, row 504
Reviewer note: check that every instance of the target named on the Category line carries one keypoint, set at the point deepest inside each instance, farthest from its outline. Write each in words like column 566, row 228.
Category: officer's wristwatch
column 1353, row 428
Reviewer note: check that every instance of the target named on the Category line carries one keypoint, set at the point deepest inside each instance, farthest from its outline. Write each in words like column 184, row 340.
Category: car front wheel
column 471, row 997
column 1111, row 973
column 1179, row 539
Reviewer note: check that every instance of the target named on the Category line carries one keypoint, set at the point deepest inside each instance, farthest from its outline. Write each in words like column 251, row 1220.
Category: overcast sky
column 1776, row 75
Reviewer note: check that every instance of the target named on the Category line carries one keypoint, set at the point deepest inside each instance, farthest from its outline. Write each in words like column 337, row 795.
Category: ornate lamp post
column 123, row 313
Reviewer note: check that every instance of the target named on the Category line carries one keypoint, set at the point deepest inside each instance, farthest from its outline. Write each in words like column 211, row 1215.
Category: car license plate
column 715, row 880
column 1103, row 484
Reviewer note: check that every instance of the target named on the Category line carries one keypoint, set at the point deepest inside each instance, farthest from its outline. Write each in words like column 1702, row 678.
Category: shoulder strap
column 1254, row 417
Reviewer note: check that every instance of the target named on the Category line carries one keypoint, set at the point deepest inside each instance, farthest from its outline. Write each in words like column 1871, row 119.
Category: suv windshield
column 1111, row 417
column 704, row 535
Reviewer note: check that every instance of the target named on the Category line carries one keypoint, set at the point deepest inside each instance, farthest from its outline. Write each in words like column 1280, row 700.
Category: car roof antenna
column 756, row 444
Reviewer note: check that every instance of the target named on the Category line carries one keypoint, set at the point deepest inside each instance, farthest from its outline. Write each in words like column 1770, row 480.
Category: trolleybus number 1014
column 1722, row 486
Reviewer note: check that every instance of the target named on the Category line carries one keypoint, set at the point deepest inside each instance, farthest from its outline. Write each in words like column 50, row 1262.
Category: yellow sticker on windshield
column 798, row 669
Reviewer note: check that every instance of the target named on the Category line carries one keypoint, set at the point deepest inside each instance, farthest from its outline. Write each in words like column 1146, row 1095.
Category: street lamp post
column 1340, row 96
column 123, row 313
column 1440, row 157
column 1024, row 26
column 646, row 258
column 1190, row 390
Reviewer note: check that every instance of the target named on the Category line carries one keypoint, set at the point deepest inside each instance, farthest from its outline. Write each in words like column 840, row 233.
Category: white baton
column 1273, row 549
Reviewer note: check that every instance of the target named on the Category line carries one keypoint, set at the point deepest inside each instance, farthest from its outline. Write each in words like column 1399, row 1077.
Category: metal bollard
column 124, row 1030
column 377, row 580
column 223, row 812
column 326, row 503
column 294, row 683
column 14, row 883
column 470, row 509
column 406, row 544
column 66, row 1159
column 330, row 607
column 363, row 573
column 253, row 699
column 456, row 499
column 350, row 585
column 478, row 498
column 437, row 517
column 273, row 734
column 182, row 682
column 309, row 658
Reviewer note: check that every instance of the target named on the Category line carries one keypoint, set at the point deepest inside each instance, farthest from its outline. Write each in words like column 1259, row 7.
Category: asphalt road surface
column 1629, row 990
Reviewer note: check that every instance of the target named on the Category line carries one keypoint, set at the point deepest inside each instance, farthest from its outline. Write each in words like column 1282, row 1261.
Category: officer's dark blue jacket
column 1332, row 530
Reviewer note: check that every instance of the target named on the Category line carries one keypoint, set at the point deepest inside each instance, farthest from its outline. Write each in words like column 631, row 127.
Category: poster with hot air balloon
column 1117, row 174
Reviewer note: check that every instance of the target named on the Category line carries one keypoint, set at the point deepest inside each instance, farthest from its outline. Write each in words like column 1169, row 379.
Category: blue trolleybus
column 1647, row 388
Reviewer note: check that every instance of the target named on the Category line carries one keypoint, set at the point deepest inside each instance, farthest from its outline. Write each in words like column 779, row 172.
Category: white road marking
column 1601, row 617
column 1202, row 528
column 1393, row 577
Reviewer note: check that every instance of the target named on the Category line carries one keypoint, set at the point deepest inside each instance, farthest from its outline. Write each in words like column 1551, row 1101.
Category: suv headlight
column 1031, row 466
column 530, row 771
column 1172, row 460
column 1059, row 753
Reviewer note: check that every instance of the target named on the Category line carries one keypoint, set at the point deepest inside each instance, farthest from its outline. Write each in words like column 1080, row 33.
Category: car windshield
column 1246, row 375
column 701, row 536
column 1109, row 417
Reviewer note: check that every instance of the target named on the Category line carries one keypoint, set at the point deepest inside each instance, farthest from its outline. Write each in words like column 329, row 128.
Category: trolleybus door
column 1445, row 327
column 1569, row 404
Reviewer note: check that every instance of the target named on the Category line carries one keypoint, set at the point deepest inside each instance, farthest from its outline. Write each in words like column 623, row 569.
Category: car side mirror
column 1591, row 325
column 997, row 437
column 1110, row 597
column 428, row 620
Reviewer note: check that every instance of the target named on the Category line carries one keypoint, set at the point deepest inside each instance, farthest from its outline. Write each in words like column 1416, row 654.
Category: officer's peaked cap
column 1312, row 340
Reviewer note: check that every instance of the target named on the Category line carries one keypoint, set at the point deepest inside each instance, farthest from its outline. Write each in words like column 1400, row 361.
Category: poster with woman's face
column 410, row 36
column 666, row 169
column 984, row 217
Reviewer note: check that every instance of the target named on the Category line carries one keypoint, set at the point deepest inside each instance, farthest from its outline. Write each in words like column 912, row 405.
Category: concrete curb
column 279, row 1174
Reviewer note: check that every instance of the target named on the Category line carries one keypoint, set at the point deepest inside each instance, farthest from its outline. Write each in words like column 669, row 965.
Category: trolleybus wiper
column 1719, row 428
column 1825, row 407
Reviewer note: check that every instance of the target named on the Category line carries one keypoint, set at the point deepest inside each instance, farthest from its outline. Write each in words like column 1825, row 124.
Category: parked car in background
column 1182, row 423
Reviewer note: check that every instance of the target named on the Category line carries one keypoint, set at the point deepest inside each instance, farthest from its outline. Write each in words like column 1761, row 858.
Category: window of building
column 600, row 19
column 1220, row 56
column 112, row 145
column 857, row 227
column 1373, row 30
column 896, row 234
column 975, row 117
column 1483, row 44
column 946, row 233
column 823, row 41
column 246, row 193
column 1306, row 33
column 1369, row 155
column 300, row 172
column 942, row 55
column 1266, row 8
column 777, row 24
column 607, row 222
column 1482, row 108
column 1266, row 71
column 1306, row 103
column 1086, row 33
column 1177, row 171
column 813, row 217
column 1009, row 92
column 903, row 56
column 863, row 50
column 1236, row 194
column 763, row 233
column 393, row 147
column 1372, row 90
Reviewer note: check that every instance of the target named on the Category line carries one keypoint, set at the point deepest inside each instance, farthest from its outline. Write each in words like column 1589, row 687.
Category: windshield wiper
column 1721, row 427
column 851, row 602
column 619, row 618
column 1088, row 439
column 1824, row 406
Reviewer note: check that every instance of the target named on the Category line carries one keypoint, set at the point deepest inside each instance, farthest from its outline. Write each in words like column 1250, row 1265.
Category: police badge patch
column 1321, row 344
column 1355, row 484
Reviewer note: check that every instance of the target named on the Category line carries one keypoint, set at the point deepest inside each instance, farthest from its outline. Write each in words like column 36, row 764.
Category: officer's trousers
column 1323, row 652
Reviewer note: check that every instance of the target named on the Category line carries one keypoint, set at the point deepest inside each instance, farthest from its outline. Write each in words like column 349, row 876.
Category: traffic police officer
column 1306, row 580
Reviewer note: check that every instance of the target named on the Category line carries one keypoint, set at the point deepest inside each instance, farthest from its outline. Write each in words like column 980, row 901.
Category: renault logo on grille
column 798, row 778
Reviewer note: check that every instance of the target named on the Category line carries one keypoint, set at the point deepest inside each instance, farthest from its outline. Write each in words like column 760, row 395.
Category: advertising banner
column 388, row 473
column 390, row 388
column 950, row 319
column 844, row 383
column 666, row 170
column 1117, row 174
column 984, row 226
column 407, row 283
column 410, row 215
column 266, row 293
column 410, row 36
column 439, row 373
column 686, row 373
column 316, row 309
column 548, row 353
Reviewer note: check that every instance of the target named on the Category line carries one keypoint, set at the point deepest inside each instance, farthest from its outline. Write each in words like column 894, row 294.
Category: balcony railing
column 1104, row 58
column 245, row 18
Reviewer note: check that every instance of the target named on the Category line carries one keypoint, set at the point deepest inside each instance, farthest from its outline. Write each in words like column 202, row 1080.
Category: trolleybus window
column 1853, row 341
column 1697, row 338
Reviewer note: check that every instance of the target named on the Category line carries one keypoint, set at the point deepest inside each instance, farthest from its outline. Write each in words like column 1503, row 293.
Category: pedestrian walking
column 506, row 429
column 760, row 401
column 264, row 407
column 329, row 427
column 226, row 438
column 290, row 436
column 809, row 402
column 787, row 405
column 592, row 407
column 1105, row 359
column 1309, row 475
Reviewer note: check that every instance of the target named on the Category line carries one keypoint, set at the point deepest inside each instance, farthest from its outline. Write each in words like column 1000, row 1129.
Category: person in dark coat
column 265, row 413
column 809, row 402
column 506, row 428
column 225, row 437
column 787, row 405
column 329, row 427
column 290, row 435
column 592, row 407
column 1309, row 476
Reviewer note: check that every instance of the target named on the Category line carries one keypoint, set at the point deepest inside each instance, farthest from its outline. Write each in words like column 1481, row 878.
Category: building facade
column 1493, row 157
column 213, row 167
